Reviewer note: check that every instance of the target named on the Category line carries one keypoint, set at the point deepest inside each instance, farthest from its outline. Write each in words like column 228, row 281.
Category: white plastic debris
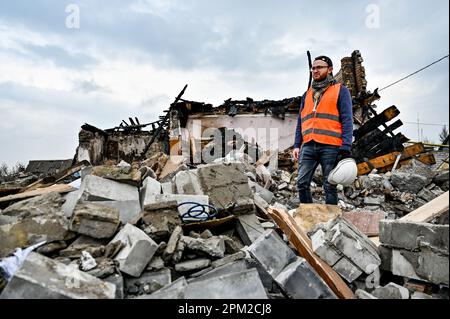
column 87, row 261
column 10, row 265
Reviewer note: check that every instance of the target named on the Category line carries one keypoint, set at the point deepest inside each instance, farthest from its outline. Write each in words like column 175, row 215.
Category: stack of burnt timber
column 375, row 148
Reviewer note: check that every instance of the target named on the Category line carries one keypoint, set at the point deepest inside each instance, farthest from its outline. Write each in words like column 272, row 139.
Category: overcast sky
column 131, row 58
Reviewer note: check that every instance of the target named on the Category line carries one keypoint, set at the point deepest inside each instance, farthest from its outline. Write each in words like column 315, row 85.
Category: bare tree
column 443, row 136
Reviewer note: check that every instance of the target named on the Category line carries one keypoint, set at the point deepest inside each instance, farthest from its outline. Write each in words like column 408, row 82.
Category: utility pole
column 418, row 128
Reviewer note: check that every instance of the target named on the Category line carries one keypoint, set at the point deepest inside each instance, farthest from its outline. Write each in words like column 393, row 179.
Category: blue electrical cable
column 198, row 212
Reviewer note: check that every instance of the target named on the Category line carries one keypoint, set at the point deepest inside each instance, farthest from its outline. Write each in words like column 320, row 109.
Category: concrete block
column 192, row 265
column 214, row 246
column 180, row 199
column 408, row 182
column 187, row 182
column 167, row 188
column 347, row 239
column 163, row 217
column 347, row 269
column 174, row 290
column 271, row 252
column 97, row 189
column 40, row 277
column 391, row 291
column 94, row 220
column 128, row 209
column 299, row 281
column 227, row 186
column 172, row 243
column 413, row 236
column 240, row 285
column 117, row 280
column 138, row 251
column 228, row 259
column 324, row 249
column 71, row 201
column 261, row 191
column 424, row 265
column 148, row 282
column 150, row 188
column 237, row 266
column 249, row 228
column 386, row 258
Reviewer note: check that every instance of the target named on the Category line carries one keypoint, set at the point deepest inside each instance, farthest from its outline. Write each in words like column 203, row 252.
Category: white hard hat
column 344, row 173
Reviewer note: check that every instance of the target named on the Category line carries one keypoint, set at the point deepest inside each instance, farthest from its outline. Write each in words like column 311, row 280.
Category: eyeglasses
column 319, row 67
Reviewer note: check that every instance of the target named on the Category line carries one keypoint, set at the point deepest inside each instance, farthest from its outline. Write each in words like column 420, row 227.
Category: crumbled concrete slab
column 43, row 278
column 228, row 259
column 98, row 189
column 188, row 183
column 156, row 263
column 138, row 251
column 32, row 221
column 227, row 187
column 122, row 174
column 261, row 191
column 391, row 291
column 300, row 281
column 174, row 290
column 249, row 228
column 240, row 285
column 347, row 269
column 413, row 236
column 117, row 280
column 324, row 249
column 150, row 188
column 210, row 272
column 128, row 210
column 180, row 199
column 94, row 220
column 408, row 182
column 167, row 188
column 71, row 201
column 172, row 243
column 214, row 246
column 271, row 252
column 424, row 265
column 148, row 282
column 163, row 217
column 192, row 265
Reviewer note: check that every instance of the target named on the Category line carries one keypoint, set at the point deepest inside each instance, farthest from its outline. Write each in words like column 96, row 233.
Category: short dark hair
column 325, row 59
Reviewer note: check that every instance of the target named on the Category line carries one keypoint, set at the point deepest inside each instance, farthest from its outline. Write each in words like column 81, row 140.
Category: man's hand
column 296, row 153
column 343, row 154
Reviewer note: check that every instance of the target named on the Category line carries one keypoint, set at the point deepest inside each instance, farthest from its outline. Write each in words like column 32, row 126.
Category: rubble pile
column 136, row 217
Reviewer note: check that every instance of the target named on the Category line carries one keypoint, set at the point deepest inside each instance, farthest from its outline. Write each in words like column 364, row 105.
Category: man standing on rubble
column 324, row 130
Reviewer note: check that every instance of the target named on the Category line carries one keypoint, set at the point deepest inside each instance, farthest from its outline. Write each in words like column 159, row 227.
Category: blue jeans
column 311, row 155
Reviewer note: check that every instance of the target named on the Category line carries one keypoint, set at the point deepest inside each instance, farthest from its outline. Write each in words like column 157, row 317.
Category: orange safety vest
column 322, row 125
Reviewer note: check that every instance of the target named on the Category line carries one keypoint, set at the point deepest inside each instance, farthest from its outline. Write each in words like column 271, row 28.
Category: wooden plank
column 377, row 162
column 427, row 158
column 385, row 162
column 303, row 244
column 430, row 210
column 60, row 188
